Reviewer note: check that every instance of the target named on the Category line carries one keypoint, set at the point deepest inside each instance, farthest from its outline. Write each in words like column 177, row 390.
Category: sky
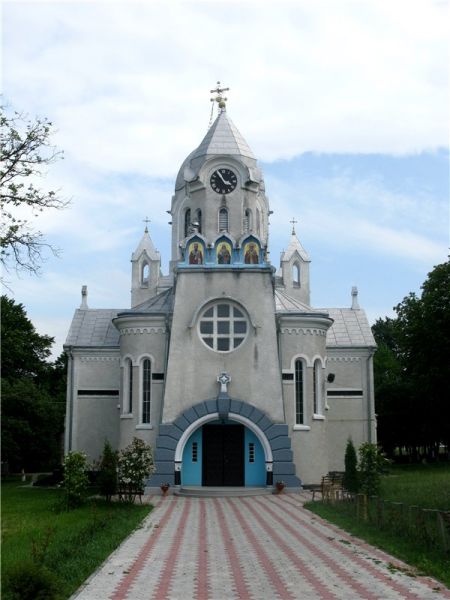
column 344, row 103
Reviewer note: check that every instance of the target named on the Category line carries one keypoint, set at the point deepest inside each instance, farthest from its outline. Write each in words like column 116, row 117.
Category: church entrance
column 223, row 455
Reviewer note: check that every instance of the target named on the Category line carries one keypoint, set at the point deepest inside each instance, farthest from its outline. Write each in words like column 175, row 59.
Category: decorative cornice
column 343, row 358
column 304, row 331
column 140, row 330
column 99, row 358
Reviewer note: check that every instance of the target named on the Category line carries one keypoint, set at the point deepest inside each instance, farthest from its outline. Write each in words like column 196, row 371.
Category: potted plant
column 280, row 485
column 165, row 488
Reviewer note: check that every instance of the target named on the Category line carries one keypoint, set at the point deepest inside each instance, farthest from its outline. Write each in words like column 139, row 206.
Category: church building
column 222, row 365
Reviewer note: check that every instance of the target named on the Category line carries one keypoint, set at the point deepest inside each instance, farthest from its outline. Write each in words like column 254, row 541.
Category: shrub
column 372, row 463
column 351, row 479
column 75, row 480
column 30, row 581
column 135, row 465
column 107, row 477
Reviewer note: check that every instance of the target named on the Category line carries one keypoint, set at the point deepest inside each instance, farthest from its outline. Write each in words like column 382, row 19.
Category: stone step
column 195, row 491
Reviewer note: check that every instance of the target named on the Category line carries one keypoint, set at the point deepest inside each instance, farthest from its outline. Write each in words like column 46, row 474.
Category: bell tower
column 145, row 270
column 219, row 189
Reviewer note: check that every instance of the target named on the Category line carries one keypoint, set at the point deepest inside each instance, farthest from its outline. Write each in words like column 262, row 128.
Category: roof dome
column 222, row 138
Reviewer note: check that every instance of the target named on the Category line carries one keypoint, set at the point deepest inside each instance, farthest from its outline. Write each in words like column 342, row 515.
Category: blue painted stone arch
column 170, row 434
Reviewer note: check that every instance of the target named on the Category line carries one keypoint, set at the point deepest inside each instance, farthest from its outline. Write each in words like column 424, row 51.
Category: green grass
column 427, row 486
column 34, row 527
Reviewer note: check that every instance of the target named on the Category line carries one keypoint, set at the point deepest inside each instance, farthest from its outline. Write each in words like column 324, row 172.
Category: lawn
column 35, row 528
column 426, row 486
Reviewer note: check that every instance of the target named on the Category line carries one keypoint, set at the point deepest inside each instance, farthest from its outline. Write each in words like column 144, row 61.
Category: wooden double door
column 223, row 455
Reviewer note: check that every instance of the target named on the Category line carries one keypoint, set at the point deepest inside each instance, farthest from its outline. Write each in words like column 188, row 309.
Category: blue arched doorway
column 223, row 453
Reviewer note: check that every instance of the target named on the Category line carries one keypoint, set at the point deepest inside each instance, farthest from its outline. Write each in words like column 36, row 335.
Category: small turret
column 145, row 271
column 294, row 265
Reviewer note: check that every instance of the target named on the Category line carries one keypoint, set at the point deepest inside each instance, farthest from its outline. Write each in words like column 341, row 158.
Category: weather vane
column 146, row 221
column 293, row 225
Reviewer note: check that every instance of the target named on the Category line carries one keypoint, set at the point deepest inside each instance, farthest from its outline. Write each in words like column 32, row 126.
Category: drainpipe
column 370, row 396
column 70, row 398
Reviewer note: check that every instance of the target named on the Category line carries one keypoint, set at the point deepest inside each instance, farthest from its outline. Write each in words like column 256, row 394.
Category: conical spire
column 146, row 245
column 223, row 137
column 294, row 246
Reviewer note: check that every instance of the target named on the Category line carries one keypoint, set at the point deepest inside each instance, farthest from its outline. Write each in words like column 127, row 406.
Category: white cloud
column 127, row 83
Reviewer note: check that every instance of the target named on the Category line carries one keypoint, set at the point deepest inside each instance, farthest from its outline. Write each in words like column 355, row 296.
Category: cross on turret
column 293, row 225
column 219, row 98
column 146, row 221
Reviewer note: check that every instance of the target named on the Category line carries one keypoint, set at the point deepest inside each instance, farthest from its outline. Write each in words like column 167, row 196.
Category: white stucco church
column 222, row 365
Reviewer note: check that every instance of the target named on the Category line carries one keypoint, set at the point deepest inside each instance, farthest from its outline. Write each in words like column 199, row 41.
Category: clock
column 223, row 181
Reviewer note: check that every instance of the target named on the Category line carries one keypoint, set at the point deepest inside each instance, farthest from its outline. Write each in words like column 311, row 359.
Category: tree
column 25, row 151
column 108, row 471
column 424, row 348
column 351, row 481
column 412, row 370
column 33, row 393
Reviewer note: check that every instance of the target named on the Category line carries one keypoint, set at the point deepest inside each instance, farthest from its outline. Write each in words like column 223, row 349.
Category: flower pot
column 164, row 489
column 280, row 486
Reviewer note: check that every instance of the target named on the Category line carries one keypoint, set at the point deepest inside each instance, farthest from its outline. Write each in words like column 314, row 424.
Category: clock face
column 223, row 181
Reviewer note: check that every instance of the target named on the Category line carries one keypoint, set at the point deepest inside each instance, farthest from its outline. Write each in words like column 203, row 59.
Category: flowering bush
column 76, row 480
column 135, row 464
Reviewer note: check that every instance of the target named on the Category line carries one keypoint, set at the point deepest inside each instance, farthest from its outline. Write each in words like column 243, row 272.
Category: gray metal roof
column 93, row 327
column 223, row 138
column 284, row 302
column 160, row 304
column 350, row 328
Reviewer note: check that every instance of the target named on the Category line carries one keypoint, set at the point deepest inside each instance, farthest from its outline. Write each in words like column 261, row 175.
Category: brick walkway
column 264, row 547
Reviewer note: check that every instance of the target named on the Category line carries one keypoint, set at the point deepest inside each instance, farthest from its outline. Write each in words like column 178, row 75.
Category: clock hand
column 221, row 177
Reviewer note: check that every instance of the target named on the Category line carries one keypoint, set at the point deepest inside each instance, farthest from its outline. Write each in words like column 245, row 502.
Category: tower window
column 223, row 327
column 247, row 220
column 146, row 389
column 299, row 393
column 223, row 219
column 187, row 222
column 145, row 273
column 296, row 275
column 198, row 220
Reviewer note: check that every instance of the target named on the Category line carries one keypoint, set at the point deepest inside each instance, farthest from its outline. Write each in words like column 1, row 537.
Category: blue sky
column 346, row 105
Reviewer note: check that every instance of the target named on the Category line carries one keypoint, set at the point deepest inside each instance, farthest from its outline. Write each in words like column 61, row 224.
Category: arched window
column 317, row 387
column 145, row 273
column 247, row 220
column 198, row 219
column 127, row 404
column 296, row 274
column 299, row 392
column 187, row 222
column 223, row 219
column 146, row 390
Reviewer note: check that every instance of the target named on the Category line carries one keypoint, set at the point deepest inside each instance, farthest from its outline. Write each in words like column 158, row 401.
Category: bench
column 331, row 486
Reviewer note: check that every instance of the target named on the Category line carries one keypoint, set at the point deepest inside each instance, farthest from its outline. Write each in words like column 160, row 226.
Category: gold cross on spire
column 219, row 98
column 146, row 221
column 293, row 225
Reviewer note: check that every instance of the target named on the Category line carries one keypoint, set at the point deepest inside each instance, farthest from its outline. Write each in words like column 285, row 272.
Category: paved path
column 259, row 548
